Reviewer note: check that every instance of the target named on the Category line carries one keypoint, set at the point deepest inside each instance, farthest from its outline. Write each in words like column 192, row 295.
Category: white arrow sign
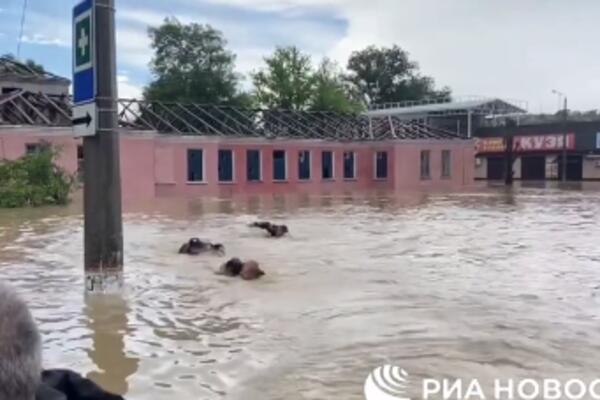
column 85, row 120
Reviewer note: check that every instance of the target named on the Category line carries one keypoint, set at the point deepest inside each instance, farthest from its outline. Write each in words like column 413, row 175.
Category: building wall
column 585, row 132
column 590, row 167
column 156, row 165
column 13, row 144
column 583, row 138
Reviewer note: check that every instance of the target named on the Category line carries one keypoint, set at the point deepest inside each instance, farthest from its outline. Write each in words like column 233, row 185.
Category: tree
column 32, row 65
column 287, row 81
column 191, row 64
column 330, row 92
column 383, row 75
column 35, row 67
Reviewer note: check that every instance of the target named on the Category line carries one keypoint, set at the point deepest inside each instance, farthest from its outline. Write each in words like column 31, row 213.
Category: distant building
column 175, row 149
column 28, row 97
column 16, row 76
column 463, row 115
column 538, row 151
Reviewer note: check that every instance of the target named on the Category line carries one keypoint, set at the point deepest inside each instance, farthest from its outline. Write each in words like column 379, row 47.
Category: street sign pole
column 103, row 230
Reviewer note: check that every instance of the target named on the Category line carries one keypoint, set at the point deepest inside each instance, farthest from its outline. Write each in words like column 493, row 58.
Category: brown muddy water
column 470, row 285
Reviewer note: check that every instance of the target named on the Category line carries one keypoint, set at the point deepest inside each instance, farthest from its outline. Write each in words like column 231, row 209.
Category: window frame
column 387, row 165
column 36, row 147
column 285, row 166
column 219, row 180
column 425, row 177
column 354, row 165
column 203, row 166
column 309, row 154
column 443, row 173
column 332, row 165
column 260, row 168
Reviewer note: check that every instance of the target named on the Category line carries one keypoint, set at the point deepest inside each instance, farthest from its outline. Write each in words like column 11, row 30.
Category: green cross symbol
column 83, row 42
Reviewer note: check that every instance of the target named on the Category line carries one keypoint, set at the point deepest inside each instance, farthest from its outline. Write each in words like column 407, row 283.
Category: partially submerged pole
column 509, row 152
column 564, row 144
column 103, row 230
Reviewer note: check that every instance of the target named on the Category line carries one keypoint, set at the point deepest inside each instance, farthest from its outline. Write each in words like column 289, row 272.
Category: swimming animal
column 248, row 270
column 195, row 246
column 272, row 229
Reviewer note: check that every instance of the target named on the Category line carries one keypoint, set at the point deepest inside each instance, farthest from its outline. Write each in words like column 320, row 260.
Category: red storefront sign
column 523, row 144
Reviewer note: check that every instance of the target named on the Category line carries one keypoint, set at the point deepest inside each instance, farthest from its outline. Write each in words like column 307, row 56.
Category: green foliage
column 32, row 65
column 34, row 180
column 330, row 91
column 191, row 64
column 384, row 75
column 287, row 81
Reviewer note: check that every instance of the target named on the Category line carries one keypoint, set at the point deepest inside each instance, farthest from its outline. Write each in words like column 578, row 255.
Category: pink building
column 160, row 165
column 176, row 149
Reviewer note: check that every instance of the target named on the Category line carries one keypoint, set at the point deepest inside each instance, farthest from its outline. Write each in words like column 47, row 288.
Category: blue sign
column 84, row 72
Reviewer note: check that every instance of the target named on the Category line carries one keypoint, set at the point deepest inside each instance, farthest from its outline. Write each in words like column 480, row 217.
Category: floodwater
column 488, row 284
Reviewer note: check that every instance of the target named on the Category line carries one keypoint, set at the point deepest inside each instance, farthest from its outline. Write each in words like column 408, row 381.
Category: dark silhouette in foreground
column 21, row 375
column 195, row 246
column 248, row 270
column 272, row 229
column 60, row 384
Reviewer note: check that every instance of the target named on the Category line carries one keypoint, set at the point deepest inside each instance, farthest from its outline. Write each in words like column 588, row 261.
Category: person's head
column 20, row 348
column 251, row 270
column 232, row 267
column 195, row 246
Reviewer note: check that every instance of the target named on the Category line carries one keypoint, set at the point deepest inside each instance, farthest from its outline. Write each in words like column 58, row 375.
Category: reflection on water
column 491, row 284
column 106, row 318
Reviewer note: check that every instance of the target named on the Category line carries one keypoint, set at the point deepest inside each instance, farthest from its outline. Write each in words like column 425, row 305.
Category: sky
column 513, row 49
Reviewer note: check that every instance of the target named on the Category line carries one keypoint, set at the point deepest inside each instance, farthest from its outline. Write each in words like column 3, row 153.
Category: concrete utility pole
column 564, row 149
column 103, row 228
column 564, row 123
column 508, row 155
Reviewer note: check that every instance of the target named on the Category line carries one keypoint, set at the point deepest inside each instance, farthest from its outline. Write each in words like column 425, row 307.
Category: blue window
column 195, row 159
column 304, row 165
column 279, row 167
column 225, row 166
column 381, row 165
column 327, row 165
column 349, row 165
column 253, row 165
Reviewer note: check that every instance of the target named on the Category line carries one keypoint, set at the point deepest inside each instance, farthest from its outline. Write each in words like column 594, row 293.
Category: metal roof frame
column 21, row 107
column 444, row 107
column 11, row 69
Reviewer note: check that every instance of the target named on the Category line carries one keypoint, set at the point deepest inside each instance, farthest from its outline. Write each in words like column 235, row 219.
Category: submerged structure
column 174, row 149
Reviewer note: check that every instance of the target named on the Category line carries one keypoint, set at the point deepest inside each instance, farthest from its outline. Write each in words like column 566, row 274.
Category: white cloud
column 289, row 6
column 41, row 39
column 146, row 17
column 516, row 50
column 133, row 47
column 250, row 49
column 127, row 89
